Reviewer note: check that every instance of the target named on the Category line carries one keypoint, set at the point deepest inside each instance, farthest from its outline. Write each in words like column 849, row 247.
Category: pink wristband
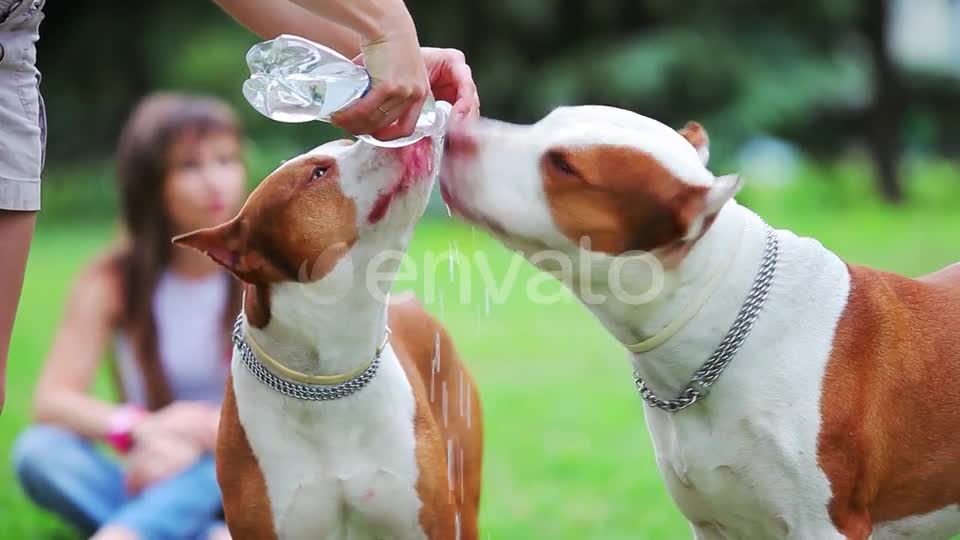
column 120, row 429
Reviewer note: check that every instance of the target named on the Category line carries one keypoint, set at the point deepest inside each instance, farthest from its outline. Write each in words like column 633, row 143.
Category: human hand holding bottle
column 449, row 78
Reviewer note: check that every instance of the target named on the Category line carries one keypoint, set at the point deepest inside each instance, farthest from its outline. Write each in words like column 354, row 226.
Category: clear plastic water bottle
column 293, row 79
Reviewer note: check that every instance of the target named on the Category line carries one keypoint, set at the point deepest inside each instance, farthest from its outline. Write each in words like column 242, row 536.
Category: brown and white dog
column 398, row 458
column 837, row 418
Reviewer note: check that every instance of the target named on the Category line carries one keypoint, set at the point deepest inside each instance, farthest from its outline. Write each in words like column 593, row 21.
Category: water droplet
column 486, row 302
column 456, row 523
column 434, row 367
column 450, row 470
column 461, row 474
column 443, row 400
column 449, row 213
column 469, row 401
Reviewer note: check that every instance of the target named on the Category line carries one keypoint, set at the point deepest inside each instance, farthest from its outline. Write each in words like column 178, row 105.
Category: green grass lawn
column 567, row 455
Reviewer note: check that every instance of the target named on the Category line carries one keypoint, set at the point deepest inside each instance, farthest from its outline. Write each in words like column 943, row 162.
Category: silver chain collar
column 709, row 372
column 308, row 392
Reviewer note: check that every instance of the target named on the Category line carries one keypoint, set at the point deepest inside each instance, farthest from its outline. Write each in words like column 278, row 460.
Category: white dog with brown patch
column 790, row 395
column 332, row 425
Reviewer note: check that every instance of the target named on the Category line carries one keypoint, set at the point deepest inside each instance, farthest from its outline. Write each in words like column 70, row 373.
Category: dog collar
column 299, row 385
column 694, row 306
column 709, row 372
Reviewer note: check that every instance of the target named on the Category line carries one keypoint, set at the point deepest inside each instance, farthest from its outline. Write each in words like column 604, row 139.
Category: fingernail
column 461, row 115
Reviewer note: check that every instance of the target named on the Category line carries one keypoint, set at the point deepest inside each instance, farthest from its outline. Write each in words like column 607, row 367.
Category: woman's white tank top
column 190, row 336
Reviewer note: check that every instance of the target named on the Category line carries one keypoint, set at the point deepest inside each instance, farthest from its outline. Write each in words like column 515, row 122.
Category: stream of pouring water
column 455, row 451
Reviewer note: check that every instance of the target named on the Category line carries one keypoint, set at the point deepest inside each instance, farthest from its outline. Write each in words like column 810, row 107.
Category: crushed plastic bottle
column 293, row 79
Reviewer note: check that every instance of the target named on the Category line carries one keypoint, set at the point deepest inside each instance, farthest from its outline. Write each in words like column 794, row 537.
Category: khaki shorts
column 23, row 123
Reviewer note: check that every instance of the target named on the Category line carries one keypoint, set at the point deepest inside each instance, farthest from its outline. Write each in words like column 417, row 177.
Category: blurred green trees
column 817, row 73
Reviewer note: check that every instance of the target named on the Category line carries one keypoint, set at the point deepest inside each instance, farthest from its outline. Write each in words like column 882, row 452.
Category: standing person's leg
column 16, row 231
column 22, row 144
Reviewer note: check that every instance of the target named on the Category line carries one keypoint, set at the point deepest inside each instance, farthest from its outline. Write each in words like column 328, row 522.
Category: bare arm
column 373, row 20
column 383, row 31
column 62, row 397
column 268, row 19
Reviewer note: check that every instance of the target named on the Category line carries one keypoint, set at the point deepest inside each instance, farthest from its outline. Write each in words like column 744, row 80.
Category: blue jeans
column 68, row 476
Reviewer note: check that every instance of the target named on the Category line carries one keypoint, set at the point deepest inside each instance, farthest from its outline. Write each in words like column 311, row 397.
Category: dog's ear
column 223, row 243
column 233, row 246
column 697, row 135
column 722, row 190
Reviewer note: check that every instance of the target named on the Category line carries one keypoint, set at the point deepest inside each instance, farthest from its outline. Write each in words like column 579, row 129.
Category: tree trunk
column 885, row 116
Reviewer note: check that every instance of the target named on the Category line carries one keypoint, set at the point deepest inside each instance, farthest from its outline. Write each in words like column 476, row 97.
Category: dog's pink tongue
column 416, row 163
column 417, row 159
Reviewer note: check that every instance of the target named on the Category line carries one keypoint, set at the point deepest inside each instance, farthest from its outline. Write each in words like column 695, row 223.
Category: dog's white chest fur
column 343, row 469
column 743, row 463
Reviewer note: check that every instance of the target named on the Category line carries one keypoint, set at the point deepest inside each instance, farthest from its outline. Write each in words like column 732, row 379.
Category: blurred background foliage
column 841, row 115
column 830, row 77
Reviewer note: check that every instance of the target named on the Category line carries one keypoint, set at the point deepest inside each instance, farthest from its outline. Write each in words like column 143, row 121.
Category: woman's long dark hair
column 143, row 164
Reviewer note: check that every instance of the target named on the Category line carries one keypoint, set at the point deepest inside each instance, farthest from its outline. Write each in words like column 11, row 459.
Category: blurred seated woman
column 167, row 312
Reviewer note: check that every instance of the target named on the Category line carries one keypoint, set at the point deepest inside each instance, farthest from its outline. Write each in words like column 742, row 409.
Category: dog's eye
column 318, row 173
column 559, row 161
